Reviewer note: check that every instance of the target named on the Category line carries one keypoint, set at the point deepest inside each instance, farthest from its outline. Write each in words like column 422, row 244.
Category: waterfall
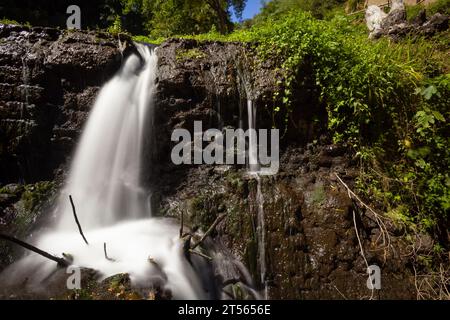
column 254, row 170
column 105, row 176
column 261, row 230
column 111, row 200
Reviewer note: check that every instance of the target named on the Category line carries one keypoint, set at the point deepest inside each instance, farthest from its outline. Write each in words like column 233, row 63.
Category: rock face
column 311, row 248
column 309, row 233
column 48, row 81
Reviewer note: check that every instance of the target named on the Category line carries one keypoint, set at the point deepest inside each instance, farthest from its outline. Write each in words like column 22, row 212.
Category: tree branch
column 200, row 254
column 60, row 261
column 76, row 220
column 209, row 231
column 106, row 254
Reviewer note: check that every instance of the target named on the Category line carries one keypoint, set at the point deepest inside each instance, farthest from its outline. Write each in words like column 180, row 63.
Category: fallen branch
column 60, row 261
column 200, row 254
column 76, row 220
column 106, row 254
column 209, row 231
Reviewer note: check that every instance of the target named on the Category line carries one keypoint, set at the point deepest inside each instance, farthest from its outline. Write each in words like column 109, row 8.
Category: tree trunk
column 225, row 25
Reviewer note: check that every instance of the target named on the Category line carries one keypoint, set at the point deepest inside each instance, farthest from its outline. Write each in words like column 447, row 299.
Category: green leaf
column 429, row 92
column 438, row 116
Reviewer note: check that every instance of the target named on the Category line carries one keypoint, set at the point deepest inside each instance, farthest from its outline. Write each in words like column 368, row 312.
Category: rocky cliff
column 49, row 80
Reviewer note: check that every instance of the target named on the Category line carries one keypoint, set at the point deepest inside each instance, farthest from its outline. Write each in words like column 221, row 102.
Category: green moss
column 189, row 54
column 13, row 190
column 235, row 181
column 34, row 194
column 14, row 22
column 318, row 195
column 203, row 210
column 146, row 39
column 29, row 208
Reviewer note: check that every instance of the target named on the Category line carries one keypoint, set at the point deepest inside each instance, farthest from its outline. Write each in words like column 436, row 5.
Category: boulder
column 395, row 25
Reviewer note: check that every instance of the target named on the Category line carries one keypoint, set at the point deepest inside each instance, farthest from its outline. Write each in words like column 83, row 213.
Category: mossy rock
column 34, row 200
column 189, row 54
column 27, row 204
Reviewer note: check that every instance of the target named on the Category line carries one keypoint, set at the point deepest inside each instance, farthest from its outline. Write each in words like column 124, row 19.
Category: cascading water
column 254, row 169
column 111, row 201
column 105, row 177
column 253, row 139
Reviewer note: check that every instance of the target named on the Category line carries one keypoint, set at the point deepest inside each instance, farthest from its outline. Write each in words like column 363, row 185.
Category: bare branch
column 60, row 261
column 200, row 254
column 209, row 231
column 106, row 254
column 76, row 220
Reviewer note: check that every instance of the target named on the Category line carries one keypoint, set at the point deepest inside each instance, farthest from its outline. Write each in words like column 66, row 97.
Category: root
column 379, row 219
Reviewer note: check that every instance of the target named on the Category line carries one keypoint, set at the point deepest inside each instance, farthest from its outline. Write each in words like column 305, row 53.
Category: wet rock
column 48, row 80
column 311, row 249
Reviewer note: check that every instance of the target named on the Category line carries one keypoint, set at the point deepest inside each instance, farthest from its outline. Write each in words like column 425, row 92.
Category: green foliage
column 33, row 197
column 116, row 27
column 277, row 9
column 389, row 101
column 34, row 194
column 165, row 18
column 441, row 6
column 146, row 39
column 14, row 22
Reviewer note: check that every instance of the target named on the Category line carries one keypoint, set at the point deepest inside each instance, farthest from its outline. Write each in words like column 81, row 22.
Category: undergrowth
column 388, row 100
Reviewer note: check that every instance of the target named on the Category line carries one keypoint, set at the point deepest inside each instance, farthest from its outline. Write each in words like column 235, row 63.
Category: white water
column 25, row 80
column 105, row 174
column 254, row 170
column 111, row 201
column 253, row 139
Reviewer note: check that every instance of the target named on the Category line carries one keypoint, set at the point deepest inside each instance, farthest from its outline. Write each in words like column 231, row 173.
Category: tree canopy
column 158, row 18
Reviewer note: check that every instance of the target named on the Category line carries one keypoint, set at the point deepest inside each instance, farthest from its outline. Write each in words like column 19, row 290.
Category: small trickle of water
column 254, row 169
column 261, row 230
column 25, row 80
column 253, row 138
